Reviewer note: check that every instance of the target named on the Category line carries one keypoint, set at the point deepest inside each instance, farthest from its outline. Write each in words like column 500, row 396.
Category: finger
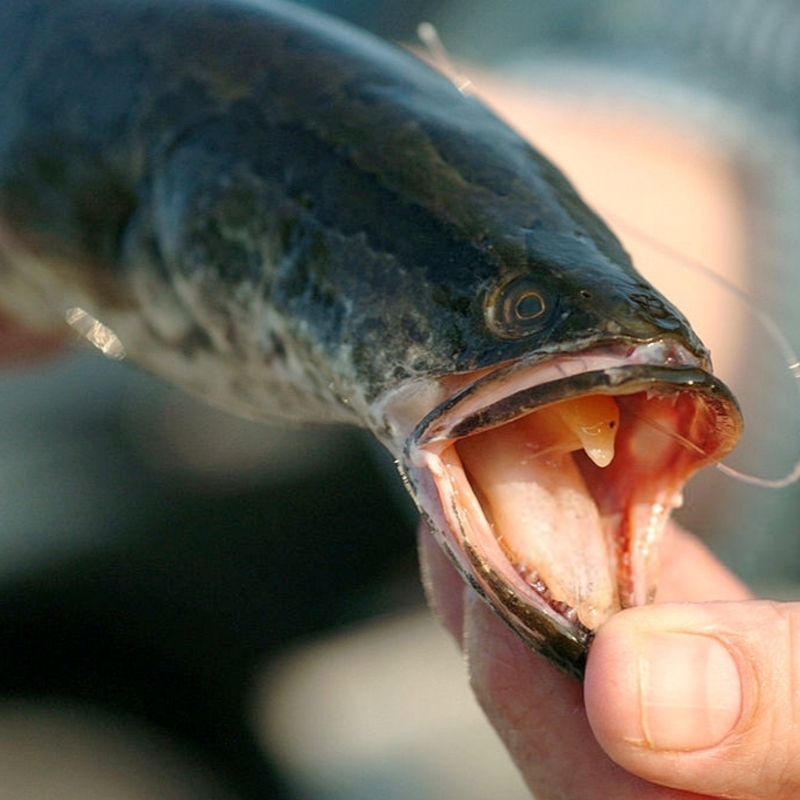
column 538, row 713
column 690, row 572
column 702, row 696
column 444, row 587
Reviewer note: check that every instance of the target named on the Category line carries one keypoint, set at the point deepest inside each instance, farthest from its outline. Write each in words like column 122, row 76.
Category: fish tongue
column 543, row 514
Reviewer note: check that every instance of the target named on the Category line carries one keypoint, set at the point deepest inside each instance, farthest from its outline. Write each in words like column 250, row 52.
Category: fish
column 291, row 218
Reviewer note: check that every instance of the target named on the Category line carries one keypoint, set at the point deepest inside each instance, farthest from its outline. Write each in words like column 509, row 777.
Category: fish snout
column 639, row 315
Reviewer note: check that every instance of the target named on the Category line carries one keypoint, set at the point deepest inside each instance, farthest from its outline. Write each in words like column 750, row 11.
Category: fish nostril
column 650, row 304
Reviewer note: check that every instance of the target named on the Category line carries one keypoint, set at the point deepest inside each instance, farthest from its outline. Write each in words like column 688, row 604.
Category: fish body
column 289, row 217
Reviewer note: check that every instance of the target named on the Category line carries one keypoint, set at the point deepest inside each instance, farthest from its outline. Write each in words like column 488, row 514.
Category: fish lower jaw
column 556, row 515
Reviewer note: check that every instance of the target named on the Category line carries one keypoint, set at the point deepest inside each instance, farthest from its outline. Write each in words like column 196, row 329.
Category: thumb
column 702, row 697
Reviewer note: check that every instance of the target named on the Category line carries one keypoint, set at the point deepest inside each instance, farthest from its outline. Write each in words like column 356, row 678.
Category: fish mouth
column 550, row 481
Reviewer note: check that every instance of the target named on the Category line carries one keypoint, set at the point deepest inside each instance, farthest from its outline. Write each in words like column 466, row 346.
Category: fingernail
column 691, row 694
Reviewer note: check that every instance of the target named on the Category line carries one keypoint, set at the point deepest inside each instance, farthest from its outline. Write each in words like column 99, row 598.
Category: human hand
column 712, row 714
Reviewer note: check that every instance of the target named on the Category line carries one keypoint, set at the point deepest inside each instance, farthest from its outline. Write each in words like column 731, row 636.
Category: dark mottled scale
column 259, row 144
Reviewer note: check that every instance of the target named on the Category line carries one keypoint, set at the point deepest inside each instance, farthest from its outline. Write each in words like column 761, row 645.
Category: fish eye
column 516, row 308
column 529, row 305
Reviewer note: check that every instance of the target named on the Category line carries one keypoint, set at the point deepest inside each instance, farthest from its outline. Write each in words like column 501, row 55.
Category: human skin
column 586, row 742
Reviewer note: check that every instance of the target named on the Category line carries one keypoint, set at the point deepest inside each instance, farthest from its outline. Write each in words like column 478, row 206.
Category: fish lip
column 622, row 365
column 611, row 381
column 622, row 368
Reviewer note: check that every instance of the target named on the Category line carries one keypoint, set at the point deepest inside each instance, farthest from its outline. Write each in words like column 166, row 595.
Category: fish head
column 548, row 468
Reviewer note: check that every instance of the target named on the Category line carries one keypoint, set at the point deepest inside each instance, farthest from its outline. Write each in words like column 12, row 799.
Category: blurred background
column 192, row 606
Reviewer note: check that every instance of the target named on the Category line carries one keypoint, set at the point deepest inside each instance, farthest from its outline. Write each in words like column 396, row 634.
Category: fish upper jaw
column 549, row 481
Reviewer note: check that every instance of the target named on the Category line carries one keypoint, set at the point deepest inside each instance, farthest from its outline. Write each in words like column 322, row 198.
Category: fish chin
column 550, row 481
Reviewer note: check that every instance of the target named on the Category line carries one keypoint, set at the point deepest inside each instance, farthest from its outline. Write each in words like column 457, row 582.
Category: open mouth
column 550, row 484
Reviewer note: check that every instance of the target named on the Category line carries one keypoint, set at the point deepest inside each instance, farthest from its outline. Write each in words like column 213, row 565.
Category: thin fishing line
column 429, row 36
column 661, row 428
column 764, row 319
